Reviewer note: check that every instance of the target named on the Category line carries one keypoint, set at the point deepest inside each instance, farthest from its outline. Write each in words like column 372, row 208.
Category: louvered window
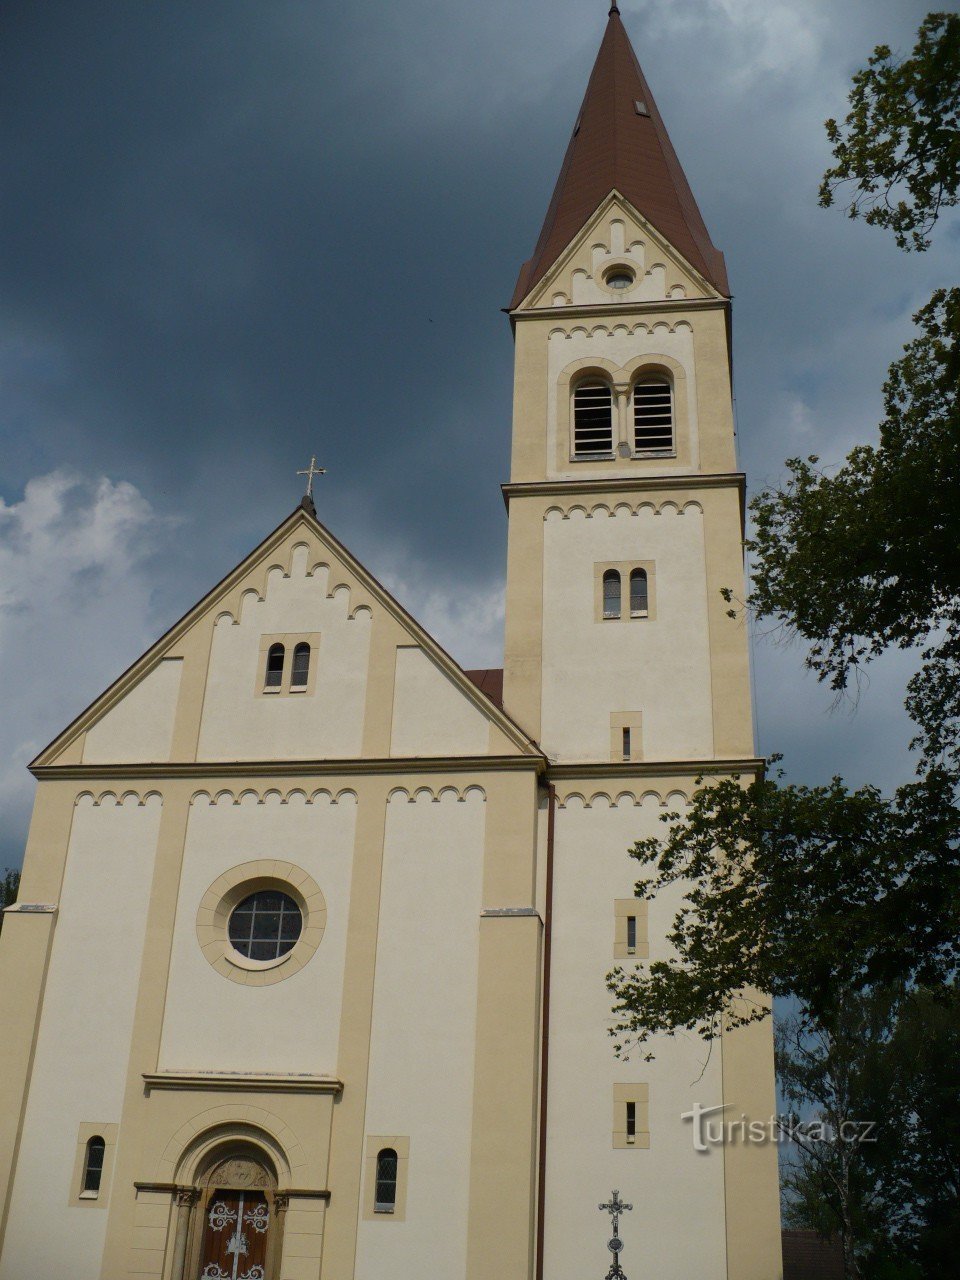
column 592, row 419
column 653, row 417
column 275, row 656
column 385, row 1195
column 301, row 667
column 638, row 593
column 611, row 594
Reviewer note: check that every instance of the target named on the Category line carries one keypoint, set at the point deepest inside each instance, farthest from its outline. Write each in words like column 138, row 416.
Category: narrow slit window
column 275, row 659
column 93, row 1167
column 385, row 1195
column 639, row 593
column 611, row 594
column 653, row 417
column 592, row 420
column 631, row 1122
column 631, row 933
column 626, row 744
column 301, row 667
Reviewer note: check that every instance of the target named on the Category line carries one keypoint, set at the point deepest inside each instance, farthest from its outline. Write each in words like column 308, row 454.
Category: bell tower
column 625, row 505
column 625, row 527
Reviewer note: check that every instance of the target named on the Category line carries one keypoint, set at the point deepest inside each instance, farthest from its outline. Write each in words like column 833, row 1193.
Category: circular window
column 265, row 925
column 619, row 278
column 261, row 922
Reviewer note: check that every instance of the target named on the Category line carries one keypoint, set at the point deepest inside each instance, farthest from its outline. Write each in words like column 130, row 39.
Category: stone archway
column 231, row 1224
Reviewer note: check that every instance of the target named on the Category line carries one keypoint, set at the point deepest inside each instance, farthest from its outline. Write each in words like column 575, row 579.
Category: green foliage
column 900, row 142
column 794, row 891
column 9, row 886
column 890, row 1193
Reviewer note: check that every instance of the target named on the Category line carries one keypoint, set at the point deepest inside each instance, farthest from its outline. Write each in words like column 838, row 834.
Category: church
column 307, row 979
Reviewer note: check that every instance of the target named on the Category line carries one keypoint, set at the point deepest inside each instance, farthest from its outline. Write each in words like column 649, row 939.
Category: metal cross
column 311, row 471
column 615, row 1207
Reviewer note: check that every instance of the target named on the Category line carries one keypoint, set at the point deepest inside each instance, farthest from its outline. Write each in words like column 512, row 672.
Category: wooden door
column 235, row 1236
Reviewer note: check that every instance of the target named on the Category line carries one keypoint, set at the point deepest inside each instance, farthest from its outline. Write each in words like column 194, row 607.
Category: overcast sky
column 241, row 231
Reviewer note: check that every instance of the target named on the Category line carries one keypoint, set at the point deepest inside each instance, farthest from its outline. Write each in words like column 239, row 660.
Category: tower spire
column 619, row 143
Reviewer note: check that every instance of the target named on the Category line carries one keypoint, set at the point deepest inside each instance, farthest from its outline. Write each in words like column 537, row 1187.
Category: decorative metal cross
column 615, row 1207
column 311, row 471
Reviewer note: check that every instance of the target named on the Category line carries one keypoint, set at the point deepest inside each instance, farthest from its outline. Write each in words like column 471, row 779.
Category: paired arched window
column 93, row 1166
column 275, row 659
column 653, row 416
column 385, row 1194
column 611, row 594
column 301, row 667
column 639, row 598
column 592, row 419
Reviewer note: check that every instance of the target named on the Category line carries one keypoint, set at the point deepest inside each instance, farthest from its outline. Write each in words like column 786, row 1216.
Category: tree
column 9, row 886
column 900, row 143
column 877, row 1165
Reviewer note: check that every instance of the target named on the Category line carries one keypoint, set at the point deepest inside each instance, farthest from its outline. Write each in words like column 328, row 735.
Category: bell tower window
column 592, row 420
column 653, row 417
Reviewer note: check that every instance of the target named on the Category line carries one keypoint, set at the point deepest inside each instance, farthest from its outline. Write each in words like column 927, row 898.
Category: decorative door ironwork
column 235, row 1236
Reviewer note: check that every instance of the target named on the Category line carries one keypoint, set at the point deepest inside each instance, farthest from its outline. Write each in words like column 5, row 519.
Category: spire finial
column 311, row 471
column 613, row 9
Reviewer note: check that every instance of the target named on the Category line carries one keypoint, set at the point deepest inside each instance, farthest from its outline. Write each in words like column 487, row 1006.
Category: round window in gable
column 619, row 278
column 265, row 925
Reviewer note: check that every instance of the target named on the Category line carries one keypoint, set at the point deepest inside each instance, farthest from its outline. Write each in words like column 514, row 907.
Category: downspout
column 545, row 1028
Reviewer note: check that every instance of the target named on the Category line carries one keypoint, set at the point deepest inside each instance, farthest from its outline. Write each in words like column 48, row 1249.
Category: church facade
column 307, row 976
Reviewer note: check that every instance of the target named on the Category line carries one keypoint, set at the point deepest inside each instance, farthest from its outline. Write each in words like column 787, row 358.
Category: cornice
column 289, row 768
column 623, row 484
column 622, row 770
column 193, row 1080
column 652, row 307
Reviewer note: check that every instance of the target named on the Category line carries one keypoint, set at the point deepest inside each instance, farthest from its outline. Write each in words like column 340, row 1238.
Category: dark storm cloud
column 238, row 233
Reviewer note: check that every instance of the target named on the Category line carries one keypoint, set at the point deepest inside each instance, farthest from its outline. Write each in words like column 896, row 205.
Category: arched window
column 638, row 593
column 93, row 1167
column 592, row 419
column 301, row 667
column 275, row 657
column 653, row 416
column 385, row 1195
column 611, row 594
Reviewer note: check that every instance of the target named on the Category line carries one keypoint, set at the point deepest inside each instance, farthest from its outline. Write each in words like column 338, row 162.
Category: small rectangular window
column 626, row 744
column 631, row 1122
column 632, row 934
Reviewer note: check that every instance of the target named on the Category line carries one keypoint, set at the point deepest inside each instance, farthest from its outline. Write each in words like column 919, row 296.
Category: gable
column 374, row 685
column 618, row 234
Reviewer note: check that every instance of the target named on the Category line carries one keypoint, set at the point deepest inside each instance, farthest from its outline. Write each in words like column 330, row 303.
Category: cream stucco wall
column 241, row 723
column 431, row 716
column 139, row 726
column 209, row 1021
column 659, row 665
column 85, row 1028
column 676, row 1228
column 420, row 1082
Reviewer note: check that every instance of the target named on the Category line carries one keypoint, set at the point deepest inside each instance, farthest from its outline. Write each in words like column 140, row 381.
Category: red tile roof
column 490, row 682
column 614, row 147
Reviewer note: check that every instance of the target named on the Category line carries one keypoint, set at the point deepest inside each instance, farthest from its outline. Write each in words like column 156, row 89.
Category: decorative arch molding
column 197, row 1141
column 623, row 799
column 603, row 510
column 118, row 799
column 621, row 327
column 444, row 795
column 300, row 559
column 321, row 796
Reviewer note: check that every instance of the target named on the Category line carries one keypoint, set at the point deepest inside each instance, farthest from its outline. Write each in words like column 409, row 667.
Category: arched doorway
column 238, row 1218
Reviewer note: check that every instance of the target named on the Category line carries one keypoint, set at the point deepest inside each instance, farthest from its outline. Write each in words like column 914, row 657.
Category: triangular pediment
column 617, row 235
column 377, row 685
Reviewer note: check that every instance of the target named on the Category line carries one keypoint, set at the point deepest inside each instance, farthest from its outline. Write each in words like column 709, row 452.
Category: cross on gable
column 310, row 472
